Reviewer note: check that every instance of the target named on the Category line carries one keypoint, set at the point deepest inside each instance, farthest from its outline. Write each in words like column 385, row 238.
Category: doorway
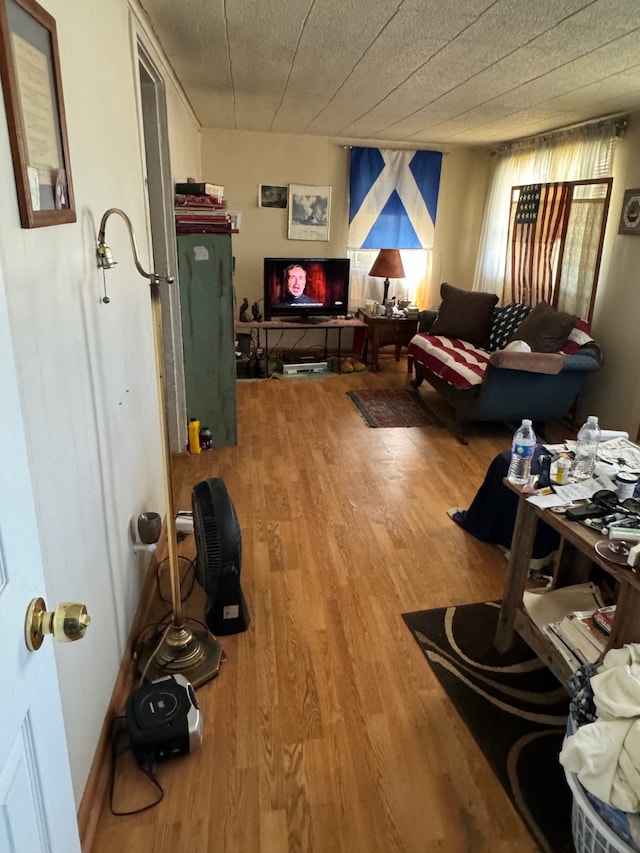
column 159, row 197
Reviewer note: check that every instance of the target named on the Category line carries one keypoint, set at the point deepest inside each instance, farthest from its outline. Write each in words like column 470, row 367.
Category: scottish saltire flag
column 394, row 198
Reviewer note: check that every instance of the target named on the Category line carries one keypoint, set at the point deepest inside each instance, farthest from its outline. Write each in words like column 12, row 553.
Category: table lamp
column 387, row 265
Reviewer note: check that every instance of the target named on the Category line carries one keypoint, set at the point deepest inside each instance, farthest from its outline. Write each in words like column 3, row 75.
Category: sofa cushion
column 545, row 329
column 532, row 362
column 464, row 315
column 506, row 319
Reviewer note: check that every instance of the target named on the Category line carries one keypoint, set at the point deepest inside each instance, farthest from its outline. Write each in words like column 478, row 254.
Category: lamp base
column 196, row 655
column 385, row 293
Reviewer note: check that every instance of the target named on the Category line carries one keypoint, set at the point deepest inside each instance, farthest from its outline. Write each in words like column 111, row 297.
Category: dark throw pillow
column 545, row 329
column 465, row 315
column 505, row 321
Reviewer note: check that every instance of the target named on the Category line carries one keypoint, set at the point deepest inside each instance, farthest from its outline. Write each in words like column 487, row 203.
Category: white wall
column 240, row 161
column 87, row 370
column 614, row 393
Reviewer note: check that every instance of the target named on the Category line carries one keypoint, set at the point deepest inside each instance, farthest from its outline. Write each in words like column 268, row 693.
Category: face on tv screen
column 306, row 285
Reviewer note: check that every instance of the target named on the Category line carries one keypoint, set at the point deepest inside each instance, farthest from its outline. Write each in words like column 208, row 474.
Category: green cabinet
column 205, row 268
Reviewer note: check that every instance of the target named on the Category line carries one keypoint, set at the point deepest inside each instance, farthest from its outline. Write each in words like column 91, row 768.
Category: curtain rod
column 619, row 122
column 388, row 148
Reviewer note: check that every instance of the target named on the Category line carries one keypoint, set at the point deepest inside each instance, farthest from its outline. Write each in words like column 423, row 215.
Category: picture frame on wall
column 32, row 87
column 630, row 214
column 309, row 212
column 271, row 195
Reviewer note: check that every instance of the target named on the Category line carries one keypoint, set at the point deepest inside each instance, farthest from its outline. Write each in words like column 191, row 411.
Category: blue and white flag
column 394, row 198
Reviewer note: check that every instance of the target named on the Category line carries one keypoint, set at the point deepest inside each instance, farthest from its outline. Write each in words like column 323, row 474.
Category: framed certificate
column 30, row 72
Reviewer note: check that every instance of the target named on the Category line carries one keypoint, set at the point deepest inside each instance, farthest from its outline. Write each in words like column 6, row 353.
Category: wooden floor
column 326, row 731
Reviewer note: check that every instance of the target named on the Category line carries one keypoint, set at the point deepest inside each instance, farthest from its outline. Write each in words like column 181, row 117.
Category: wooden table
column 513, row 615
column 386, row 331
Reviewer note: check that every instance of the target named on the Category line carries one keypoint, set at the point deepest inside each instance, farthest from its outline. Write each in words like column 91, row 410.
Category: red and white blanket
column 463, row 365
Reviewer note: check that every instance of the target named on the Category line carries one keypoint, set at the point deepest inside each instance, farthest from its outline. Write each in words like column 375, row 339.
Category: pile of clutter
column 604, row 749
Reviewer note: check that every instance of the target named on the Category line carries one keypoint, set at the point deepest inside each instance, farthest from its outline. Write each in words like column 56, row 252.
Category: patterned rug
column 512, row 705
column 395, row 407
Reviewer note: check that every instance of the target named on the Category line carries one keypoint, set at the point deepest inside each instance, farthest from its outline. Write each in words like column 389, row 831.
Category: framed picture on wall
column 309, row 212
column 270, row 195
column 30, row 71
column 630, row 215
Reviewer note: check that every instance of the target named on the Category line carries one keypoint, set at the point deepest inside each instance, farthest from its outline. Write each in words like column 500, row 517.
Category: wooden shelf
column 513, row 615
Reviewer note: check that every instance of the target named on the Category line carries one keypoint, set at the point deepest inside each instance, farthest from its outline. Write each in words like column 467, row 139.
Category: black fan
column 219, row 557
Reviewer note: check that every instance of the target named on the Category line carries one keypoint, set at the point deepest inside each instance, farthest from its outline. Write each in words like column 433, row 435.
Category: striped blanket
column 463, row 365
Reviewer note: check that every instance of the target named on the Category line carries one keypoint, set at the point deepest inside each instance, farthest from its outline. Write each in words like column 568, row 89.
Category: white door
column 37, row 811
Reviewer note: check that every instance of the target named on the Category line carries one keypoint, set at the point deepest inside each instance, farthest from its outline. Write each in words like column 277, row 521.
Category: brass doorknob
column 66, row 623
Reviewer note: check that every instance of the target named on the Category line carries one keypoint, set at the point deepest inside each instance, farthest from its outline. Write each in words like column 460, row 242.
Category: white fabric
column 577, row 155
column 518, row 346
column 605, row 755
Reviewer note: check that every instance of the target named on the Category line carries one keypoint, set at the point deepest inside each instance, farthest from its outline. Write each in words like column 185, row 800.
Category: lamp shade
column 388, row 264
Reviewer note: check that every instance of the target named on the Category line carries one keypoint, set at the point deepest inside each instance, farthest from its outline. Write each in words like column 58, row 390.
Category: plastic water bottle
column 586, row 449
column 522, row 450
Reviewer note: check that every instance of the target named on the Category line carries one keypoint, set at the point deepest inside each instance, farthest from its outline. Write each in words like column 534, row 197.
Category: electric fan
column 219, row 557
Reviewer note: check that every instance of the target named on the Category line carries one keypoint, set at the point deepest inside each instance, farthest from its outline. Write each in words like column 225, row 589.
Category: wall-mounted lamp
column 387, row 265
column 195, row 654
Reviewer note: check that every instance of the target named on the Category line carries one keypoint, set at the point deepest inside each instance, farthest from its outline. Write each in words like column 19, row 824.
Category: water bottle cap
column 592, row 419
column 526, row 422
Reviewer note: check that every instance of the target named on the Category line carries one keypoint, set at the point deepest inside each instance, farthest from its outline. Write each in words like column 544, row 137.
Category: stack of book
column 578, row 637
column 573, row 619
column 200, row 208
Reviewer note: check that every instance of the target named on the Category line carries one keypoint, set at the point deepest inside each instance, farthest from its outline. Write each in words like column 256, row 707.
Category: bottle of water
column 586, row 449
column 522, row 450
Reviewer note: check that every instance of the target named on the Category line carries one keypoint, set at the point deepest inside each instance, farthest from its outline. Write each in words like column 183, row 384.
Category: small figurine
column 257, row 316
column 244, row 317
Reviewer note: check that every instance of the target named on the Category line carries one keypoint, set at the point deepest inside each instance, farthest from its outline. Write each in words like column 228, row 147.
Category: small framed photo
column 309, row 212
column 270, row 195
column 630, row 215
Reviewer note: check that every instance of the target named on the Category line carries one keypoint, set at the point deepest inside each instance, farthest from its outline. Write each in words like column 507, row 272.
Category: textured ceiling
column 470, row 72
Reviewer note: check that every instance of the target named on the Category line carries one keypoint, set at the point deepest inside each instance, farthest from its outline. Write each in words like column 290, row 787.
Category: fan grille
column 216, row 530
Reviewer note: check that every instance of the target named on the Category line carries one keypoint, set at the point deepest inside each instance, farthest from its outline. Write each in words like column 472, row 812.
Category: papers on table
column 621, row 452
column 574, row 491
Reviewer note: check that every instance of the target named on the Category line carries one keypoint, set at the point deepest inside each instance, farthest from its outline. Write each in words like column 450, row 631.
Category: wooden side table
column 513, row 614
column 386, row 331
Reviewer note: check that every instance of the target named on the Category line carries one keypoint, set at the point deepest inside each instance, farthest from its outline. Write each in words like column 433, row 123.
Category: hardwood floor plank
column 326, row 731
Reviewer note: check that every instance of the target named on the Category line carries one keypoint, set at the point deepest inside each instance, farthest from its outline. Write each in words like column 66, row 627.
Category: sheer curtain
column 571, row 155
column 362, row 287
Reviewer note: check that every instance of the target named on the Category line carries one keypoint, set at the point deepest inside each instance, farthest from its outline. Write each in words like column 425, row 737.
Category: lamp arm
column 104, row 254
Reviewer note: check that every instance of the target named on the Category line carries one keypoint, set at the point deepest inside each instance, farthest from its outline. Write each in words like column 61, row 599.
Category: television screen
column 306, row 288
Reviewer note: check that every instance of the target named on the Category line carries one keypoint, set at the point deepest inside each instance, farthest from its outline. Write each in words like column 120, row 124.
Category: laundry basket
column 591, row 834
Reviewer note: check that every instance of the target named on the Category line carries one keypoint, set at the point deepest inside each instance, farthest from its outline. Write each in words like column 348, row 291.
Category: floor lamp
column 195, row 654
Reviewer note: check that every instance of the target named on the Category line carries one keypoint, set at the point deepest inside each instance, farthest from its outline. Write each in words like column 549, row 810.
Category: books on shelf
column 580, row 644
column 584, row 622
column 561, row 646
column 604, row 616
column 566, row 616
column 199, row 188
column 183, row 200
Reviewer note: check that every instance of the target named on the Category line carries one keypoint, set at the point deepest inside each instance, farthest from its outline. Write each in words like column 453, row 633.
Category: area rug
column 394, row 407
column 512, row 705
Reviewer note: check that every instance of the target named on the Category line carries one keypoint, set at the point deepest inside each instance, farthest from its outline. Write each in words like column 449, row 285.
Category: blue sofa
column 510, row 393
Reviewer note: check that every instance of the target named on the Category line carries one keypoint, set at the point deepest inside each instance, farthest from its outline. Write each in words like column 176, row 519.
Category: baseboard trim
column 97, row 784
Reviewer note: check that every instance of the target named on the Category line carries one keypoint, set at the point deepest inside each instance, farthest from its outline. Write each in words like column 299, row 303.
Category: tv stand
column 305, row 319
column 285, row 324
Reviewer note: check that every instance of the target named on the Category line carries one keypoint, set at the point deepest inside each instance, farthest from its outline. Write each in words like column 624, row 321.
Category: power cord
column 145, row 765
column 182, row 580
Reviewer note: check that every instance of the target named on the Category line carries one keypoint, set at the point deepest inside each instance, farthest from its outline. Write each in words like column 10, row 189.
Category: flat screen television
column 306, row 289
